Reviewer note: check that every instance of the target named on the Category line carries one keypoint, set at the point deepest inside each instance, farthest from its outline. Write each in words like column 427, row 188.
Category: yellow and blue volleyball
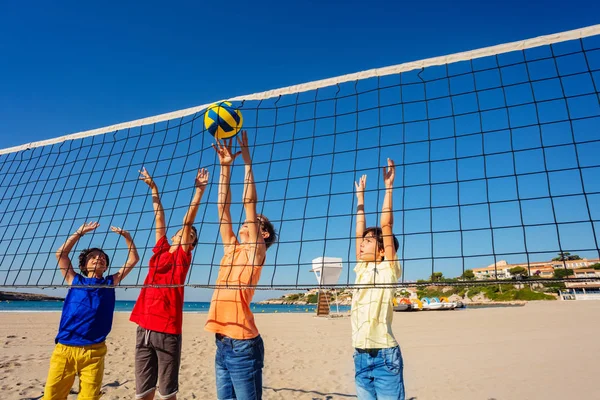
column 223, row 120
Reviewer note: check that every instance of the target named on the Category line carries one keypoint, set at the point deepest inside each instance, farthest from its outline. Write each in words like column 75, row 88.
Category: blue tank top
column 87, row 313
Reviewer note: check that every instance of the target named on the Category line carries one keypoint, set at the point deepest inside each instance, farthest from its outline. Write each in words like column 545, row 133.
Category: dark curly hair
column 83, row 258
column 267, row 226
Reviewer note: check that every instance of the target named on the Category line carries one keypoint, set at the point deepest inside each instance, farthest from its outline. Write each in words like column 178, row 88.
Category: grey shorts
column 157, row 360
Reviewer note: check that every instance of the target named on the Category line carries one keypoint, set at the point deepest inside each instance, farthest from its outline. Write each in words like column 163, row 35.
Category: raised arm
column 190, row 215
column 361, row 223
column 132, row 257
column 256, row 240
column 159, row 212
column 387, row 211
column 223, row 150
column 62, row 254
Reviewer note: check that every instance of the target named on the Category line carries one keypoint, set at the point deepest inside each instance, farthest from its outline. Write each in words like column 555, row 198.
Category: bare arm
column 62, row 254
column 256, row 240
column 361, row 222
column 132, row 257
column 190, row 215
column 223, row 150
column 159, row 212
column 387, row 211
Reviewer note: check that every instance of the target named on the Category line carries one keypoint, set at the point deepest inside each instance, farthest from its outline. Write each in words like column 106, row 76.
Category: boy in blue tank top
column 86, row 318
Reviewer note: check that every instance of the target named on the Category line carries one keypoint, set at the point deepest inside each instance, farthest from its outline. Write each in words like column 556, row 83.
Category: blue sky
column 78, row 67
column 74, row 66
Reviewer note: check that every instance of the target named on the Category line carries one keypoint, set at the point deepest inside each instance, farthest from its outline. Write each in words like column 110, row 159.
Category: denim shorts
column 379, row 374
column 238, row 368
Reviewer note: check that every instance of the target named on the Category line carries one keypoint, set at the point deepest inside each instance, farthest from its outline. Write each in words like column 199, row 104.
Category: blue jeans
column 379, row 374
column 238, row 368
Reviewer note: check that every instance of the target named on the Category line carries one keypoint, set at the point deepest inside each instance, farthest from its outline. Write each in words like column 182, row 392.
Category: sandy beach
column 544, row 350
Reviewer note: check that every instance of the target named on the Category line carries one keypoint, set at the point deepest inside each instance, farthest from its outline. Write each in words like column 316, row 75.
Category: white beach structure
column 328, row 271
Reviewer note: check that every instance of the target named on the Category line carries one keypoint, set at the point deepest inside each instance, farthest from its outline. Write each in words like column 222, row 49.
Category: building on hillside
column 580, row 291
column 494, row 271
column 543, row 269
column 586, row 273
column 573, row 264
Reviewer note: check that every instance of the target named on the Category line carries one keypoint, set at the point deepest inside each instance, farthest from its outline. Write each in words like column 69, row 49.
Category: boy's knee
column 147, row 395
column 172, row 396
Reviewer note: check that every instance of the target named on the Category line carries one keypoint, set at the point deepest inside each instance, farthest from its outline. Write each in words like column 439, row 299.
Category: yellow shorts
column 87, row 362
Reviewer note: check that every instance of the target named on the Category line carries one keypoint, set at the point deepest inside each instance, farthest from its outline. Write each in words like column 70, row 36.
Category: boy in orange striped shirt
column 240, row 349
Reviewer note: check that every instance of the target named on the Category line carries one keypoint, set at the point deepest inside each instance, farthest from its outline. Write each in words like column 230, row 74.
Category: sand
column 544, row 350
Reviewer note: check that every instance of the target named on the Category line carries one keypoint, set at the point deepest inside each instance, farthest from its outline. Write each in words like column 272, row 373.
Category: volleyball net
column 496, row 154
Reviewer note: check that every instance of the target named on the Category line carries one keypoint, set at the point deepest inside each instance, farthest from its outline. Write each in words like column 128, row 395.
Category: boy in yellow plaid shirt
column 377, row 357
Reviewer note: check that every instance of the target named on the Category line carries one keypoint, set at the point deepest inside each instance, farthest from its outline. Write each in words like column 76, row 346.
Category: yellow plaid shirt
column 372, row 309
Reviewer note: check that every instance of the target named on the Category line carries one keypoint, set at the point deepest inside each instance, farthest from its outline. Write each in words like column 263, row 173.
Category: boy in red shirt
column 159, row 311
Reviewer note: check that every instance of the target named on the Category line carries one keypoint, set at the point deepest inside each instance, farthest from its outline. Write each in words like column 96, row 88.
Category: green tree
column 436, row 277
column 595, row 266
column 312, row 298
column 561, row 273
column 566, row 256
column 518, row 271
column 468, row 274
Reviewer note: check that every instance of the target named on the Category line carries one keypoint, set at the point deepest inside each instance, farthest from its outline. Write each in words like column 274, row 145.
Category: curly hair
column 83, row 258
column 267, row 226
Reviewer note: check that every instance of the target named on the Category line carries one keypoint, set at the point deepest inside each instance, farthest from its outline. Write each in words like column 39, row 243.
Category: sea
column 188, row 307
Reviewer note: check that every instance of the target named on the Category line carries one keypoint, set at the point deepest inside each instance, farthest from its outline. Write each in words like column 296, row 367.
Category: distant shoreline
column 17, row 296
column 125, row 306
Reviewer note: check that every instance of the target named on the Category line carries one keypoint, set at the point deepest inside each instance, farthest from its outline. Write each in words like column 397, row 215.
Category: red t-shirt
column 161, row 309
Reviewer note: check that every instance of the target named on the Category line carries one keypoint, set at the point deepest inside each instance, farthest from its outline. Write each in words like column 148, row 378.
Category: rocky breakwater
column 16, row 296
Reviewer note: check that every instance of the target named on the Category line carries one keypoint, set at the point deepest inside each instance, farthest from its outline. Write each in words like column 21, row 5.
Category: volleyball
column 222, row 120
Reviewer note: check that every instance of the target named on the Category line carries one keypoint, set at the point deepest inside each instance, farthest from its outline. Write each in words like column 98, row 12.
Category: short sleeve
column 182, row 258
column 77, row 280
column 110, row 280
column 161, row 246
column 397, row 268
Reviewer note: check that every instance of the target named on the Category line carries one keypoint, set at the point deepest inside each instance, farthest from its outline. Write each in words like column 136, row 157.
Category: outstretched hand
column 121, row 232
column 202, row 178
column 87, row 227
column 223, row 149
column 389, row 173
column 245, row 150
column 145, row 176
column 361, row 185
